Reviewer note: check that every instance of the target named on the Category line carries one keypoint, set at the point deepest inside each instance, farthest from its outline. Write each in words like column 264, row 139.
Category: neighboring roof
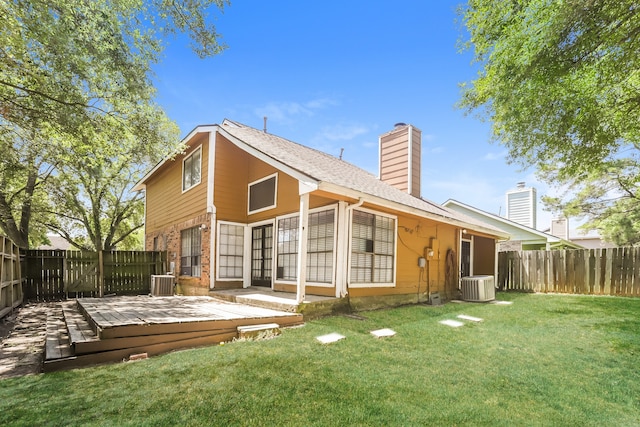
column 326, row 172
column 56, row 242
column 506, row 224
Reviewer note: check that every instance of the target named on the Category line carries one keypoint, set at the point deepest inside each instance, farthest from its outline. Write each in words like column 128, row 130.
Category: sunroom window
column 320, row 247
column 231, row 247
column 372, row 248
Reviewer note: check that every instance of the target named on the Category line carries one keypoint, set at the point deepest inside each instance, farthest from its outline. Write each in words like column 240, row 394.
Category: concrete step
column 253, row 331
column 268, row 301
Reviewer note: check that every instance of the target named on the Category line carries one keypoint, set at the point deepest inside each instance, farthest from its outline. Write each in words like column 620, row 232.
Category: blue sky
column 336, row 74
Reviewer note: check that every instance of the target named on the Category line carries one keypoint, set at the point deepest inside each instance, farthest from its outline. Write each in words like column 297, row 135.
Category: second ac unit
column 478, row 288
column 162, row 285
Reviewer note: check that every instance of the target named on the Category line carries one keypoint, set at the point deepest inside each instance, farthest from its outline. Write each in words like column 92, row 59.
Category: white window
column 287, row 248
column 262, row 194
column 372, row 248
column 191, row 169
column 230, row 251
column 320, row 247
column 191, row 251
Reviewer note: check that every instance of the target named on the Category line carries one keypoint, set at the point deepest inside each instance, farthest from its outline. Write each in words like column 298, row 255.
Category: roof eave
column 141, row 184
column 355, row 194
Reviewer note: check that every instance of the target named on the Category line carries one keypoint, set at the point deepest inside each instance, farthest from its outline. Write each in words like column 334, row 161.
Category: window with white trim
column 191, row 251
column 372, row 248
column 231, row 251
column 191, row 169
column 287, row 248
column 320, row 247
column 262, row 194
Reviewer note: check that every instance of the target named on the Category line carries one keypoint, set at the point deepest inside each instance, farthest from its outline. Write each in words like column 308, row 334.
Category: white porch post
column 302, row 247
column 341, row 250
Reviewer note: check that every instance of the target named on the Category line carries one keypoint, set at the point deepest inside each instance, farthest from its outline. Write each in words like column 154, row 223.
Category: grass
column 544, row 360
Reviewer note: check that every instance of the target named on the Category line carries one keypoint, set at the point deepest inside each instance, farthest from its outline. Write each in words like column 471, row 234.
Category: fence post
column 100, row 274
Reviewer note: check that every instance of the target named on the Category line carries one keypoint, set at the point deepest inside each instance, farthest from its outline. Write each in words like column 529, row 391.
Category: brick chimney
column 400, row 158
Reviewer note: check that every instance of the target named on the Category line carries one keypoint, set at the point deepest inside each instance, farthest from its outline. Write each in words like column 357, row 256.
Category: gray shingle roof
column 325, row 168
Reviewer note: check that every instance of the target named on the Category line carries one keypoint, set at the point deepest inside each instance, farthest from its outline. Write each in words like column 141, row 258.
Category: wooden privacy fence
column 55, row 274
column 10, row 277
column 611, row 271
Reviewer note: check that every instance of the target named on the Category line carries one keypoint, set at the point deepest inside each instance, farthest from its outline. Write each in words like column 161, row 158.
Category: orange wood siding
column 166, row 203
column 231, row 179
column 319, row 201
column 414, row 235
column 235, row 169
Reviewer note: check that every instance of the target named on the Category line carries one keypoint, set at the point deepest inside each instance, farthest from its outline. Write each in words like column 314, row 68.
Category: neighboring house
column 522, row 237
column 56, row 242
column 242, row 207
column 591, row 241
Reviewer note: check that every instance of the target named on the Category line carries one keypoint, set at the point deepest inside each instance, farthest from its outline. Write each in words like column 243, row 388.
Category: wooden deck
column 99, row 330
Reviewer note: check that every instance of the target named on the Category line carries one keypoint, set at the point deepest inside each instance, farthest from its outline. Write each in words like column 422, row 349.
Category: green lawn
column 544, row 360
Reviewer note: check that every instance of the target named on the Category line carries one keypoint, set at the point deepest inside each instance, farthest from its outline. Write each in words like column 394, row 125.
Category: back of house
column 242, row 207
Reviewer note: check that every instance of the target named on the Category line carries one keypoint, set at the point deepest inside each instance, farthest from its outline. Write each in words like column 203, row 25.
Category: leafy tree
column 22, row 172
column 75, row 77
column 607, row 196
column 560, row 82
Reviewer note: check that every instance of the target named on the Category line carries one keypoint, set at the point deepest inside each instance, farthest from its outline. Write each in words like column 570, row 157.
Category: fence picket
column 612, row 271
column 55, row 275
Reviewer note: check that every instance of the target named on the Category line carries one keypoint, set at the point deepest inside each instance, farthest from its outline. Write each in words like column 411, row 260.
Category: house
column 592, row 241
column 242, row 207
column 56, row 242
column 522, row 237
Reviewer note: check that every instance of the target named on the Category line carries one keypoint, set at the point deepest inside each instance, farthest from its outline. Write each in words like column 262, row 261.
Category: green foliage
column 77, row 104
column 607, row 197
column 559, row 82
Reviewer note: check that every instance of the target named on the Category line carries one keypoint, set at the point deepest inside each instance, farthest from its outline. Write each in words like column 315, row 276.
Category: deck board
column 57, row 341
column 143, row 315
column 98, row 330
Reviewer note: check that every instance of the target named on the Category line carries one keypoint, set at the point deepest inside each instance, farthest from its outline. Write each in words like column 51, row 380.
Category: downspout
column 495, row 262
column 355, row 205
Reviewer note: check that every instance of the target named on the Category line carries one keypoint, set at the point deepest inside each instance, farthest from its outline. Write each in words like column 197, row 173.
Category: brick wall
column 168, row 239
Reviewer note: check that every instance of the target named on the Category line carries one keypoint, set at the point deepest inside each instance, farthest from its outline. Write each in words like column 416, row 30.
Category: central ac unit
column 478, row 288
column 162, row 285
